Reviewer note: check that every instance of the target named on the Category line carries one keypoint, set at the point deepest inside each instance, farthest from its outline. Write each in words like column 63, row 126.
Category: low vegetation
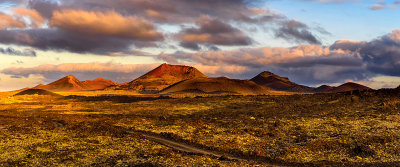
column 358, row 128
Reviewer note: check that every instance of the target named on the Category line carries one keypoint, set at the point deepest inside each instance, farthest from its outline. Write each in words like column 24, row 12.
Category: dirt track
column 184, row 147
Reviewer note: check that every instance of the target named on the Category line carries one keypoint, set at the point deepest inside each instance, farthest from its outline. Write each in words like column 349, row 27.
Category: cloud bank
column 104, row 27
column 13, row 52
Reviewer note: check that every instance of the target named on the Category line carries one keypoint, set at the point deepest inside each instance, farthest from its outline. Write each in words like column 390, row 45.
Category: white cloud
column 9, row 82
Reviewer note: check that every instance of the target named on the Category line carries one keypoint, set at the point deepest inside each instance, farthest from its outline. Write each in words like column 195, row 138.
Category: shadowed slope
column 36, row 92
column 216, row 85
column 324, row 88
column 275, row 82
column 162, row 77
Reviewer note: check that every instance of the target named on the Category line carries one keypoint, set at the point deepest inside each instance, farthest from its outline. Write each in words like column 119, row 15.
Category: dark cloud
column 177, row 11
column 190, row 45
column 57, row 39
column 13, row 1
column 297, row 32
column 212, row 31
column 14, row 52
column 382, row 55
column 86, row 32
column 348, row 45
column 44, row 7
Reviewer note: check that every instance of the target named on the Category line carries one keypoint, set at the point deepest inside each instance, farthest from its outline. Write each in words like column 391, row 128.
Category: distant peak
column 324, row 86
column 266, row 73
column 169, row 71
column 70, row 77
column 99, row 79
column 351, row 83
column 165, row 65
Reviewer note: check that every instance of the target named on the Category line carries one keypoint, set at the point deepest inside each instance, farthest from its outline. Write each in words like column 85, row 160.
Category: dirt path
column 186, row 148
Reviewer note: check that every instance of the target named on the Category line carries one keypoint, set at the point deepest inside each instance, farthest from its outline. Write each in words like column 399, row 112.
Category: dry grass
column 331, row 129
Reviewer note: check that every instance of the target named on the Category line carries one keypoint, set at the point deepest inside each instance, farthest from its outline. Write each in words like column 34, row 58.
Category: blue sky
column 344, row 20
column 312, row 42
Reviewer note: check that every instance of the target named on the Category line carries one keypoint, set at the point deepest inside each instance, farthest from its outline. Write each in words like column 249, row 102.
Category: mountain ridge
column 71, row 84
column 166, row 75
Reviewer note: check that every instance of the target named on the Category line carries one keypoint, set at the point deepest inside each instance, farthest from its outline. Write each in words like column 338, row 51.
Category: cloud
column 178, row 12
column 77, row 31
column 105, row 24
column 190, row 45
column 382, row 82
column 14, row 52
column 9, row 83
column 379, row 5
column 348, row 45
column 212, row 31
column 156, row 15
column 36, row 19
column 44, row 7
column 296, row 31
column 330, row 1
column 382, row 54
column 250, row 57
column 7, row 21
column 114, row 71
column 105, row 27
column 58, row 39
column 175, row 11
column 17, row 19
column 382, row 6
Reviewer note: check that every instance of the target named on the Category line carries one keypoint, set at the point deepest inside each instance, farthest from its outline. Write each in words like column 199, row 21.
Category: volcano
column 162, row 77
column 98, row 84
column 71, row 84
column 66, row 84
column 216, row 85
column 272, row 81
column 349, row 86
column 324, row 89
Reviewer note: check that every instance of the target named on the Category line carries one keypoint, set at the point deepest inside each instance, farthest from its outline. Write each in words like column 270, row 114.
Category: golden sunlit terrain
column 104, row 129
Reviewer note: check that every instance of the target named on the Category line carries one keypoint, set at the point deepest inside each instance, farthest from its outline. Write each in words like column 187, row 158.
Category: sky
column 313, row 42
